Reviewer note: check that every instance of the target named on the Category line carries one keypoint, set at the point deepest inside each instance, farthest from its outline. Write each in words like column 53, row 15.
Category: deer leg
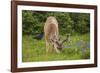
column 47, row 47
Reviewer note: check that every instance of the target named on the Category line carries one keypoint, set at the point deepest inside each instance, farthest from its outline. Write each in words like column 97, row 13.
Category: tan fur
column 51, row 33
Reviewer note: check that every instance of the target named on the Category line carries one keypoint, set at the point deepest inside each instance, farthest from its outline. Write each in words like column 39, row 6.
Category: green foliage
column 34, row 50
column 33, row 22
column 81, row 22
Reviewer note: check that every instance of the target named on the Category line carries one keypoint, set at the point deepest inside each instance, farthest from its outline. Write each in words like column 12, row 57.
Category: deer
column 51, row 34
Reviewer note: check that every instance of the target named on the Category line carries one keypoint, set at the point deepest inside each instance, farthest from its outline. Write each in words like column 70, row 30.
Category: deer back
column 51, row 27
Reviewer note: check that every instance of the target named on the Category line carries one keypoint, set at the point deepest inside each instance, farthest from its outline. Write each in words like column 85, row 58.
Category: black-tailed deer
column 51, row 33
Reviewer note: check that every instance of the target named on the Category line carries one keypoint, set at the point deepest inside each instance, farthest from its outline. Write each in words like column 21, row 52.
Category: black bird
column 40, row 36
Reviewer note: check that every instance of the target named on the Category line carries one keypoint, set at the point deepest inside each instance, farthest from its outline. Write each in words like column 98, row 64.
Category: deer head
column 57, row 43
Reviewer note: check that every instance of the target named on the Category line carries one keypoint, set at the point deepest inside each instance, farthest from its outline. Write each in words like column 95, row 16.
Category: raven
column 40, row 36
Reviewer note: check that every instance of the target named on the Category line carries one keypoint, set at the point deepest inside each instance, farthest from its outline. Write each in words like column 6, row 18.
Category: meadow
column 77, row 48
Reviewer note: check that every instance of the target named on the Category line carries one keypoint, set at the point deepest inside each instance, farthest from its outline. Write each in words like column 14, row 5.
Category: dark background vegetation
column 73, row 23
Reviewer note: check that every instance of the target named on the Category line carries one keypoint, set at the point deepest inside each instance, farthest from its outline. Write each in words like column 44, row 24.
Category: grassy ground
column 76, row 49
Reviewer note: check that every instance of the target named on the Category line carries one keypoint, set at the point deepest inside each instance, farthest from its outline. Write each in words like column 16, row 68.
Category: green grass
column 34, row 50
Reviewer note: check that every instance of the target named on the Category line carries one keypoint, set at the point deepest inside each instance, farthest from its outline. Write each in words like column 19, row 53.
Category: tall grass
column 76, row 49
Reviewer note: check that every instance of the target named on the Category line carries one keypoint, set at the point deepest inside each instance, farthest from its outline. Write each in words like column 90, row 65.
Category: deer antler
column 67, row 39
